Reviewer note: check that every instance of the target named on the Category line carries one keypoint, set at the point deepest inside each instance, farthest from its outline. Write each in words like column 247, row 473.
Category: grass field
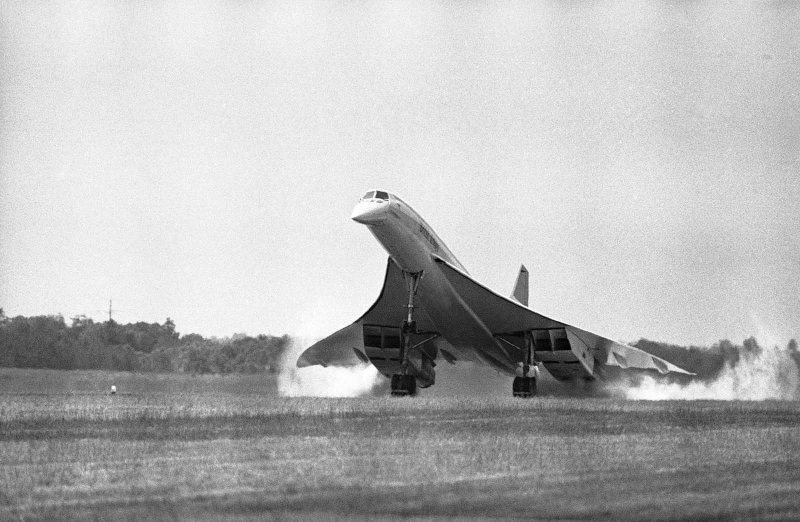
column 173, row 446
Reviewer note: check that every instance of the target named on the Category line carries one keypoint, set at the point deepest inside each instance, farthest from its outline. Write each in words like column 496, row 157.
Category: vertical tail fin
column 521, row 286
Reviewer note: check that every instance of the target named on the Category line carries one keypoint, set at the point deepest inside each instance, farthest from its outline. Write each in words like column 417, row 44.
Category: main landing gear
column 524, row 386
column 405, row 383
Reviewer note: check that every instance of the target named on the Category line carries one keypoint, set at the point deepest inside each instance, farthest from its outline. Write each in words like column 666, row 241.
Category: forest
column 47, row 341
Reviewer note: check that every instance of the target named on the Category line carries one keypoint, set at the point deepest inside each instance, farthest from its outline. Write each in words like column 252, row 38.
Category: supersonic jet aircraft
column 430, row 309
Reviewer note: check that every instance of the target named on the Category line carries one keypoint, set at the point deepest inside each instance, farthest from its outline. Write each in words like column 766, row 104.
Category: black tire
column 411, row 385
column 403, row 385
column 524, row 387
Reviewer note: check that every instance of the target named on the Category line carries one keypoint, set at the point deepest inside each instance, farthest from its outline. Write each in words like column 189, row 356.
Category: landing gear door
column 581, row 350
column 382, row 347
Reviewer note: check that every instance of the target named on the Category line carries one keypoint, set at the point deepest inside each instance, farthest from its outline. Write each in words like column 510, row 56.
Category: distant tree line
column 47, row 341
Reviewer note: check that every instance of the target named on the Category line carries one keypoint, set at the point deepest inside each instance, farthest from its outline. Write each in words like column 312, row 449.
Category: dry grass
column 217, row 448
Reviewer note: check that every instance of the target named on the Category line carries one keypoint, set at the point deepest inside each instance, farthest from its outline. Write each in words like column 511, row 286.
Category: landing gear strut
column 525, row 385
column 405, row 383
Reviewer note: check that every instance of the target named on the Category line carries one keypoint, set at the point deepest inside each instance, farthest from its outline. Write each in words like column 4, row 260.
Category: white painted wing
column 614, row 353
column 346, row 347
column 338, row 349
column 504, row 316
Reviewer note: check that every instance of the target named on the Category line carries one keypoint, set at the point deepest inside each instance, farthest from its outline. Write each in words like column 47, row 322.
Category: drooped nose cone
column 370, row 212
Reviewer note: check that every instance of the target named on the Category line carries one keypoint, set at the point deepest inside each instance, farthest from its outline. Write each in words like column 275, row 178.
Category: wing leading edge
column 375, row 336
column 554, row 340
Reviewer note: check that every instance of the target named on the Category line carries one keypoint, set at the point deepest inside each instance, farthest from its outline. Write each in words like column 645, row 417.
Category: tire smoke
column 749, row 372
column 316, row 381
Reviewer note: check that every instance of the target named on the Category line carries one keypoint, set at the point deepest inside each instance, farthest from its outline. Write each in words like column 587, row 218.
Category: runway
column 165, row 448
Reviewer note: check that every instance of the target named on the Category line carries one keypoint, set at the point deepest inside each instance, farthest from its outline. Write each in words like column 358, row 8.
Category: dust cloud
column 316, row 381
column 748, row 372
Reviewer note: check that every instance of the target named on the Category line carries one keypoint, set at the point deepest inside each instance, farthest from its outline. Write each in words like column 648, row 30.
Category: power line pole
column 110, row 311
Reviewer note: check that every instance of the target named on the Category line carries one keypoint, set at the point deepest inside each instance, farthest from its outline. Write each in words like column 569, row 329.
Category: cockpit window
column 376, row 194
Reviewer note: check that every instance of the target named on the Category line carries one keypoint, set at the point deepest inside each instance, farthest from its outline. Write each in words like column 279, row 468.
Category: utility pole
column 110, row 311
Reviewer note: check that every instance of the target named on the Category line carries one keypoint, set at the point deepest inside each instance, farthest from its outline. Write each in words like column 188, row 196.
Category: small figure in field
column 113, row 390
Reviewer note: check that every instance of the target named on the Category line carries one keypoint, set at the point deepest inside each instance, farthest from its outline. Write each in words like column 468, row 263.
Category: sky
column 200, row 160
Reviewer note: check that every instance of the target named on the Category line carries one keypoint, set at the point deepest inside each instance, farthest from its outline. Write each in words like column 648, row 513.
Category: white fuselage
column 412, row 244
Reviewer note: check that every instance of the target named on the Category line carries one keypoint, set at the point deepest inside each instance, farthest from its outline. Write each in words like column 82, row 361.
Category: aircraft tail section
column 521, row 286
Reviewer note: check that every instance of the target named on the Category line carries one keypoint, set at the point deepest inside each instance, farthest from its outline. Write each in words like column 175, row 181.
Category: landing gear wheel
column 404, row 385
column 524, row 387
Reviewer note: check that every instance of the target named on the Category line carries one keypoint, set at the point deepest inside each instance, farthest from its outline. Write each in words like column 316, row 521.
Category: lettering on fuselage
column 429, row 237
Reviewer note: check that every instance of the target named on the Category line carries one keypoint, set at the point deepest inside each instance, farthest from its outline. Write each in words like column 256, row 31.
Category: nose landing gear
column 405, row 383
